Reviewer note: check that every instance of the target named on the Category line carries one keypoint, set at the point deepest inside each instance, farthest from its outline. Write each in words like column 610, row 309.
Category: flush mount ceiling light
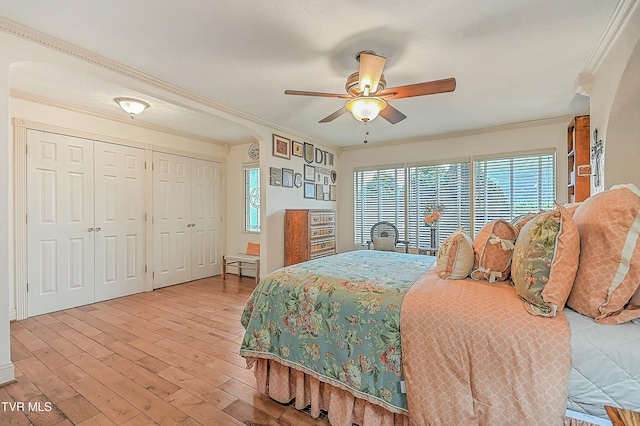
column 132, row 106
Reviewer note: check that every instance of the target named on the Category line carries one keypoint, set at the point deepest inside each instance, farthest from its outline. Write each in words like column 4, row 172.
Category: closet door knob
column 90, row 229
column 98, row 229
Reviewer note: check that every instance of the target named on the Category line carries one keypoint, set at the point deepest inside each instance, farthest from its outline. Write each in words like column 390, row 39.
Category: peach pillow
column 635, row 299
column 493, row 248
column 253, row 248
column 455, row 256
column 609, row 270
column 545, row 261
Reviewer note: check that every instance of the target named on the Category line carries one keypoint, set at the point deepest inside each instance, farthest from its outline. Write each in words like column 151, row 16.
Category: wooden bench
column 248, row 261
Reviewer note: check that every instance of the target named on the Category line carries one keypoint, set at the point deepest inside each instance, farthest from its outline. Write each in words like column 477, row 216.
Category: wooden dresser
column 308, row 234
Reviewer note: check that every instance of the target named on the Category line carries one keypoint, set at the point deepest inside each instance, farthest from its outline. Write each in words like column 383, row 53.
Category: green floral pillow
column 545, row 261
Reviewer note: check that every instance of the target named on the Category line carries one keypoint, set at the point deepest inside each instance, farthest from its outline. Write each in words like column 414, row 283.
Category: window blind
column 445, row 185
column 508, row 187
column 378, row 196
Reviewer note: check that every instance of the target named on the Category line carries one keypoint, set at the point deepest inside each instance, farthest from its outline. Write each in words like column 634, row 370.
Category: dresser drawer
column 328, row 244
column 322, row 232
column 321, row 218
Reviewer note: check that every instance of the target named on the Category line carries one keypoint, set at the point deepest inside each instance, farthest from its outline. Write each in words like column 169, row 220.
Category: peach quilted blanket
column 474, row 356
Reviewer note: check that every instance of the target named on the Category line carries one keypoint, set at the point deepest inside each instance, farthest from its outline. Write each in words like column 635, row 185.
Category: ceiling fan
column 368, row 95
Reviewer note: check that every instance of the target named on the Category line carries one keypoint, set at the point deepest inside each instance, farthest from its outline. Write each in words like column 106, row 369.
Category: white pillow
column 455, row 256
column 382, row 243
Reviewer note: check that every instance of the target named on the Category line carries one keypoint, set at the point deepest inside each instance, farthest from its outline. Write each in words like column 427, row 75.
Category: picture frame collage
column 318, row 180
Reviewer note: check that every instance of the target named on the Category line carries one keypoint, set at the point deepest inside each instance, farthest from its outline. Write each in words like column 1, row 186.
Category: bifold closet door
column 171, row 219
column 60, row 220
column 119, row 220
column 205, row 214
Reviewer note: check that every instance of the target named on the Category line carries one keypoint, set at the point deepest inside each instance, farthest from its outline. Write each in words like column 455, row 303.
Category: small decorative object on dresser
column 308, row 234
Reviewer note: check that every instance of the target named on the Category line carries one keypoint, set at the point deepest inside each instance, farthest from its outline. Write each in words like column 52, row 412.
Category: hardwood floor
column 167, row 357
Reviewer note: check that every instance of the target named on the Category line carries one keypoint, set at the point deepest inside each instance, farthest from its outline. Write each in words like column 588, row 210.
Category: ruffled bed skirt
column 285, row 384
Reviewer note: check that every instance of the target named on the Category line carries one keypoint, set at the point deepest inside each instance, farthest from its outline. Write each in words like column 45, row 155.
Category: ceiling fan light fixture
column 366, row 108
column 132, row 106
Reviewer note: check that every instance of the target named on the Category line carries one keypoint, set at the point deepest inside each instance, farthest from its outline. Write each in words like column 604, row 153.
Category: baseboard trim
column 12, row 314
column 7, row 374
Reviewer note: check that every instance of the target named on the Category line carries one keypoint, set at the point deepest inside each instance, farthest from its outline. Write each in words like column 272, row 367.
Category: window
column 508, row 187
column 446, row 185
column 378, row 196
column 502, row 188
column 252, row 198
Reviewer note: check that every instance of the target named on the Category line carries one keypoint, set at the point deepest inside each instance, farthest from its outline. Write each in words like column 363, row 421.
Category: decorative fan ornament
column 368, row 95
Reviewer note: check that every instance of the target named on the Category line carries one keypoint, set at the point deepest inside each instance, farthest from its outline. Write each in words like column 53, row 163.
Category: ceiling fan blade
column 321, row 94
column 392, row 115
column 335, row 115
column 371, row 67
column 419, row 89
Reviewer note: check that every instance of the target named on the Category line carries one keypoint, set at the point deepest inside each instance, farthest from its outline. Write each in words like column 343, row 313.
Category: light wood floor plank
column 167, row 357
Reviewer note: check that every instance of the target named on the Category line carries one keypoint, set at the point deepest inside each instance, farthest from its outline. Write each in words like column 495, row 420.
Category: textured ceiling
column 514, row 60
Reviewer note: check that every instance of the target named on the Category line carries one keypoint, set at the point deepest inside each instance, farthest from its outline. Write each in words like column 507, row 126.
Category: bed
column 378, row 338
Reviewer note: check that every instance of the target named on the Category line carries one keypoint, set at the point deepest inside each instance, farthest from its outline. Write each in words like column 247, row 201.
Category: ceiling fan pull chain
column 366, row 132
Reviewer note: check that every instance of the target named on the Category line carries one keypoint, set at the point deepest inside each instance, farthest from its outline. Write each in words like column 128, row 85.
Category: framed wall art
column 309, row 173
column 308, row 152
column 319, row 193
column 281, row 147
column 275, row 175
column 297, row 148
column 287, row 178
column 309, row 190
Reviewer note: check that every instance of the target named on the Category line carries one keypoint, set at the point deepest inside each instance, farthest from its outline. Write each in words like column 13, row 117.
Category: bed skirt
column 284, row 384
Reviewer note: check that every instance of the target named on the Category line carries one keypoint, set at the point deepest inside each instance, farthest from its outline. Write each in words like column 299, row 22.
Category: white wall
column 276, row 199
column 615, row 105
column 237, row 237
column 542, row 135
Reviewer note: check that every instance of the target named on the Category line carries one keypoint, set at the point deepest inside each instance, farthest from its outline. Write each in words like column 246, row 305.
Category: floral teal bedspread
column 338, row 317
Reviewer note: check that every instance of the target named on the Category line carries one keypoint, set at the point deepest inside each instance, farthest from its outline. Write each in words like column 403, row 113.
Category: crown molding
column 501, row 128
column 30, row 97
column 612, row 31
column 85, row 55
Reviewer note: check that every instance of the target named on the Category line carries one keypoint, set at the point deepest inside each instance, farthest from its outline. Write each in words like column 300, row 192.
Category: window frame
column 247, row 168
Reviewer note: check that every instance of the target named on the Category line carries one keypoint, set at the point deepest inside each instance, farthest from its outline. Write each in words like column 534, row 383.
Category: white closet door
column 119, row 220
column 171, row 219
column 60, row 222
column 205, row 216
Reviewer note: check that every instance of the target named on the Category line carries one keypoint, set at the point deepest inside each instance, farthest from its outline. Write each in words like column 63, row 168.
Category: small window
column 252, row 198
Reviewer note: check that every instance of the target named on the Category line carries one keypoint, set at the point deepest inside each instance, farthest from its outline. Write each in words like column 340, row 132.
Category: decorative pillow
column 455, row 256
column 385, row 244
column 635, row 299
column 609, row 270
column 545, row 261
column 253, row 248
column 572, row 207
column 493, row 248
column 519, row 222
